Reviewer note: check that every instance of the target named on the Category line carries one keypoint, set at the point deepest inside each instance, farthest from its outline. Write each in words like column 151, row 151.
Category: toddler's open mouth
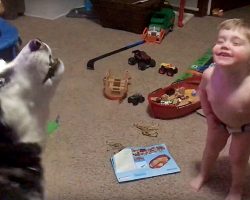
column 224, row 54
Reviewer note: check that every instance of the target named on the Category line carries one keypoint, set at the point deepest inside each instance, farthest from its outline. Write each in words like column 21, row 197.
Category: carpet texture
column 77, row 156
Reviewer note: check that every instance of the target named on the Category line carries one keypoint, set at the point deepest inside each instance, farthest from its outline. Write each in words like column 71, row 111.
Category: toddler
column 225, row 99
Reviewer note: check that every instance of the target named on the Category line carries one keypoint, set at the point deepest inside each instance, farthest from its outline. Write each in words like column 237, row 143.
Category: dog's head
column 35, row 62
column 26, row 86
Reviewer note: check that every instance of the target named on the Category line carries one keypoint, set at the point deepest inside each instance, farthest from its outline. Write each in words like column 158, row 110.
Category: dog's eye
column 2, row 82
column 50, row 60
column 35, row 45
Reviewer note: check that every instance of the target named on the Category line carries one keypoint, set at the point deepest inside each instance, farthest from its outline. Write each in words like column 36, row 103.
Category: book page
column 124, row 161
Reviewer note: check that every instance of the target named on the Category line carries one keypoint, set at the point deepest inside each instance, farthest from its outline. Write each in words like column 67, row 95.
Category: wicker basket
column 124, row 15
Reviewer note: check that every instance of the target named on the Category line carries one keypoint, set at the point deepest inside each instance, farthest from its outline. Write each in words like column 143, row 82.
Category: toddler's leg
column 216, row 140
column 239, row 155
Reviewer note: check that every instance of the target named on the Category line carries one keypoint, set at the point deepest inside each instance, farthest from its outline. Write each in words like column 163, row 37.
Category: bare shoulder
column 207, row 73
column 246, row 84
column 206, row 76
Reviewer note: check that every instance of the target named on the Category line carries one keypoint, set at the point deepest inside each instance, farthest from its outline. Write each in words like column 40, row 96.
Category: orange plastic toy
column 153, row 34
column 116, row 88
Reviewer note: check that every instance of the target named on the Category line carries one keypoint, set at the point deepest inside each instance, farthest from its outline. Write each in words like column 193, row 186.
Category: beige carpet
column 77, row 157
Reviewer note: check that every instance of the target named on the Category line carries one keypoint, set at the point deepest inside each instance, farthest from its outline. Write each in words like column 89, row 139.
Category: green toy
column 163, row 18
column 206, row 59
column 53, row 126
column 198, row 66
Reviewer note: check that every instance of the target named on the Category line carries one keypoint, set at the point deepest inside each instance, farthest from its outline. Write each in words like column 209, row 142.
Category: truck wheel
column 141, row 99
column 130, row 100
column 135, row 102
column 171, row 28
column 152, row 63
column 142, row 66
column 132, row 61
column 170, row 72
column 176, row 70
column 162, row 70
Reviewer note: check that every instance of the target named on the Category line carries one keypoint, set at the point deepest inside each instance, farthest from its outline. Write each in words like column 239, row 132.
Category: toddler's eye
column 219, row 41
column 236, row 43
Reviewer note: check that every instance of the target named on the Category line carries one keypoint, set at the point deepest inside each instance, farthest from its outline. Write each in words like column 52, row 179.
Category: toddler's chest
column 228, row 101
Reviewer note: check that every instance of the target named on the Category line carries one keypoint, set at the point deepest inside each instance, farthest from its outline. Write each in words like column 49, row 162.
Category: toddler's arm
column 203, row 96
column 205, row 104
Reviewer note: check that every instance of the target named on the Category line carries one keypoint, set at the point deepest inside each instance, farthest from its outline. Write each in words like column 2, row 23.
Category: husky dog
column 27, row 85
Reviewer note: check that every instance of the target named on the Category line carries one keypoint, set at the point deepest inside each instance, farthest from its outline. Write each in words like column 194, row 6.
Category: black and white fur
column 25, row 93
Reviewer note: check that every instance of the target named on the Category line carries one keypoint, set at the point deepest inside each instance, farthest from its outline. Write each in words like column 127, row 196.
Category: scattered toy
column 217, row 12
column 168, row 69
column 136, row 99
column 143, row 59
column 164, row 18
column 153, row 34
column 115, row 146
column 150, row 131
column 197, row 68
column 161, row 23
column 53, row 125
column 176, row 100
column 91, row 62
column 115, row 88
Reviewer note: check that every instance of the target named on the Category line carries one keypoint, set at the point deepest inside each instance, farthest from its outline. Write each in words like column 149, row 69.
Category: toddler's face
column 232, row 48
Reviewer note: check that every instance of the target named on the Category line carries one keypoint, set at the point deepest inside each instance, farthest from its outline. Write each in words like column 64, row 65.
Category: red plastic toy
column 176, row 100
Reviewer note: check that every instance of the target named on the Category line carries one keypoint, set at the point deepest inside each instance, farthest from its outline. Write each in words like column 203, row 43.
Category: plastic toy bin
column 161, row 111
column 9, row 39
column 124, row 15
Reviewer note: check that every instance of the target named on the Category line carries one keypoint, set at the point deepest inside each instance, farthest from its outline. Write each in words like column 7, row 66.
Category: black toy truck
column 144, row 60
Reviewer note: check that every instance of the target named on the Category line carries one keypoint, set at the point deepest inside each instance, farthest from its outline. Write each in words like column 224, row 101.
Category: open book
column 134, row 163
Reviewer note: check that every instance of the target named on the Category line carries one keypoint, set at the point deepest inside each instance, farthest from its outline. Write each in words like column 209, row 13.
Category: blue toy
column 9, row 41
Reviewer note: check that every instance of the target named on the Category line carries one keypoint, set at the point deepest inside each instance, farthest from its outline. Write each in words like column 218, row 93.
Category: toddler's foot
column 197, row 182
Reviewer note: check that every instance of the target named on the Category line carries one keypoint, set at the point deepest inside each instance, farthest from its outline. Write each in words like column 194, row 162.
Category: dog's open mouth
column 54, row 64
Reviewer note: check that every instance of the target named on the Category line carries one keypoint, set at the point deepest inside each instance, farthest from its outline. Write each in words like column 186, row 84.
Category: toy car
column 144, row 60
column 168, row 69
column 135, row 99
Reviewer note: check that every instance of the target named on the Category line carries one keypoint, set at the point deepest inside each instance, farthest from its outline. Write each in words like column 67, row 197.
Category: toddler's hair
column 234, row 24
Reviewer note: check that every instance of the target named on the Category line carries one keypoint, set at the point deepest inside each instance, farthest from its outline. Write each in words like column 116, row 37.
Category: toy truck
column 161, row 23
column 168, row 69
column 142, row 58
